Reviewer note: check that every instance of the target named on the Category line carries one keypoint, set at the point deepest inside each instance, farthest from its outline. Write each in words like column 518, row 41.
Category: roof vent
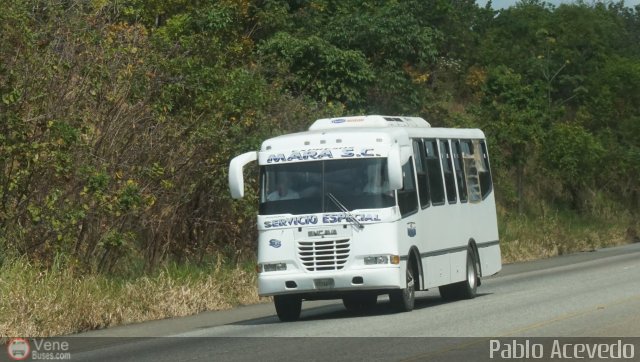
column 368, row 122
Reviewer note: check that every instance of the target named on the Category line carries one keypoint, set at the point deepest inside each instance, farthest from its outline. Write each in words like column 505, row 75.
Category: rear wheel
column 403, row 300
column 466, row 289
column 288, row 307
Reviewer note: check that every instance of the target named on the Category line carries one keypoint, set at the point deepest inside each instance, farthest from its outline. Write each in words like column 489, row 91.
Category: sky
column 500, row 4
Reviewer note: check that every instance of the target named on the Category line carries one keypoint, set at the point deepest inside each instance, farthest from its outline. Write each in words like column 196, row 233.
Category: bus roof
column 368, row 122
column 364, row 130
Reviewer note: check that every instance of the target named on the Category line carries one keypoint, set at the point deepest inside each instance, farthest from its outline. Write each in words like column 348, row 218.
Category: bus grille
column 321, row 255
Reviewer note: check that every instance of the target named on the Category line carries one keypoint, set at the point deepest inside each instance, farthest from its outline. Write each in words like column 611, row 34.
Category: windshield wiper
column 350, row 217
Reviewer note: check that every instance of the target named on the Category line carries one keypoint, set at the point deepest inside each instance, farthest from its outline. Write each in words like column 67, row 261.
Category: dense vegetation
column 118, row 118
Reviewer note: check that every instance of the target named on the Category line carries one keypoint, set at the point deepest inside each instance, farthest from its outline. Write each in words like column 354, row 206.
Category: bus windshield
column 304, row 187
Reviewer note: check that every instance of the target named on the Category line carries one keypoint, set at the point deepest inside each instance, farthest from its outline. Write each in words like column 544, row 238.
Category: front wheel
column 288, row 307
column 403, row 300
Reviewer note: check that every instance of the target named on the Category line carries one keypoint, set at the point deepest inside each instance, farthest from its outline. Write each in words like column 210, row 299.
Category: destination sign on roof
column 319, row 154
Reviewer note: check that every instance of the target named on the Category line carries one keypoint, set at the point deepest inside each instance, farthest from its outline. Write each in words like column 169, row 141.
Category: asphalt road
column 583, row 295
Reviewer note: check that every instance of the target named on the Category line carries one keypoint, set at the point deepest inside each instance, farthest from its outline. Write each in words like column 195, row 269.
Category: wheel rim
column 471, row 273
column 410, row 284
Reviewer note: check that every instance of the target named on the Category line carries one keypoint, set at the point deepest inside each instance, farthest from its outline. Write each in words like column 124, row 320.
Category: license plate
column 323, row 283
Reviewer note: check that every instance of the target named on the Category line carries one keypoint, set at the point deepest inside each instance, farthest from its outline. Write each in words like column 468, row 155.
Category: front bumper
column 334, row 282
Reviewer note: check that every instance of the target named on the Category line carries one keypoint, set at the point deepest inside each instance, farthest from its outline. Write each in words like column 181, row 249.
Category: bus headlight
column 381, row 259
column 377, row 259
column 274, row 267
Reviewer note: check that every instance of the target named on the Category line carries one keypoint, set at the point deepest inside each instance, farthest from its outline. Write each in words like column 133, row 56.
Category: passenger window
column 472, row 161
column 434, row 172
column 408, row 196
column 447, row 169
column 460, row 179
column 485, row 172
column 421, row 171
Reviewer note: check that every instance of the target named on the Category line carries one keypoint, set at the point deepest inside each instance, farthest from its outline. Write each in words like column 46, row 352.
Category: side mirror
column 236, row 178
column 395, row 168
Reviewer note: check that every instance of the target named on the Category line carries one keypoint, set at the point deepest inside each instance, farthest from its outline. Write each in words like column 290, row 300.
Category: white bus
column 358, row 207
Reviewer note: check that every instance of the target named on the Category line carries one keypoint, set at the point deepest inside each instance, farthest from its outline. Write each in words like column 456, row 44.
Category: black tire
column 360, row 303
column 403, row 300
column 288, row 307
column 466, row 289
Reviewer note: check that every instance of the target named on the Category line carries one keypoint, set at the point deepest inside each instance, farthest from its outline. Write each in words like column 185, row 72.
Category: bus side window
column 408, row 196
column 485, row 174
column 460, row 178
column 447, row 169
column 472, row 162
column 434, row 172
column 421, row 171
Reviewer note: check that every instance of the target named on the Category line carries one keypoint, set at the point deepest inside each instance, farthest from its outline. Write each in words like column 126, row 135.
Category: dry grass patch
column 38, row 302
column 528, row 238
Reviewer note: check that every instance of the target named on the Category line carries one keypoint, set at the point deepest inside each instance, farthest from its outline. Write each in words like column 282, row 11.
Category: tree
column 512, row 114
column 314, row 67
column 575, row 156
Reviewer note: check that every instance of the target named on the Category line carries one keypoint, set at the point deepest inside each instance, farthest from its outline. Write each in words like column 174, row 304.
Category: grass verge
column 524, row 238
column 39, row 302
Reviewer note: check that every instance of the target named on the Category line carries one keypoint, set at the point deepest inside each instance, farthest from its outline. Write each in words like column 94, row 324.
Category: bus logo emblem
column 411, row 229
column 275, row 243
